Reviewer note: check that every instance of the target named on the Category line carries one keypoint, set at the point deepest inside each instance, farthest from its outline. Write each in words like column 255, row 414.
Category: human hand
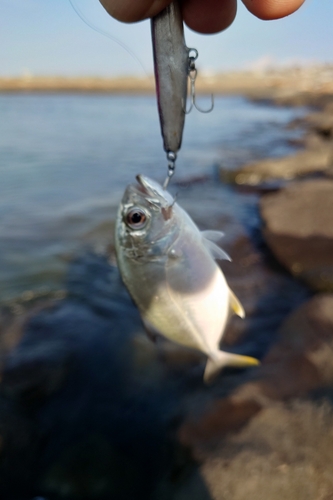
column 204, row 16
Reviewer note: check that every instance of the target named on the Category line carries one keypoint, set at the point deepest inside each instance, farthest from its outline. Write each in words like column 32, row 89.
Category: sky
column 47, row 37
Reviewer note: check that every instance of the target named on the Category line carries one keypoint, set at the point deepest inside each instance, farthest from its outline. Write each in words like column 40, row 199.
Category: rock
column 309, row 330
column 320, row 122
column 300, row 164
column 300, row 361
column 294, row 98
column 284, row 452
column 316, row 156
column 267, row 295
column 298, row 228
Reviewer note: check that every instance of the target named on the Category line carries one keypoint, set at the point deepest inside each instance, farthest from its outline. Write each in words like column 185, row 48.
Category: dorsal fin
column 209, row 238
column 216, row 251
column 235, row 305
column 212, row 235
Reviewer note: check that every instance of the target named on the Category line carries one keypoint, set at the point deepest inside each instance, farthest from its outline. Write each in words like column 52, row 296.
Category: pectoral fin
column 223, row 359
column 235, row 305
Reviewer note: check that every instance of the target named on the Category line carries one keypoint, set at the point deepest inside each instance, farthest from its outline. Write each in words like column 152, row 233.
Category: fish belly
column 197, row 319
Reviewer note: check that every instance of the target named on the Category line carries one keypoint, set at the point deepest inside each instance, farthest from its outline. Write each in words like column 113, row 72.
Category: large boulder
column 298, row 228
column 284, row 452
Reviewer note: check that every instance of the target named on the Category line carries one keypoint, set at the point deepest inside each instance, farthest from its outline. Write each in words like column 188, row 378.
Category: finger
column 129, row 11
column 272, row 9
column 210, row 16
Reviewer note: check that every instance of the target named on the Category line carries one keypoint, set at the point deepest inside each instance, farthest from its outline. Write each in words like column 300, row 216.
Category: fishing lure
column 174, row 63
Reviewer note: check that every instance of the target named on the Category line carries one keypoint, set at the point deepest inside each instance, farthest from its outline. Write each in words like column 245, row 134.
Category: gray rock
column 298, row 228
column 309, row 330
column 284, row 452
column 320, row 122
column 315, row 158
column 301, row 361
column 300, row 164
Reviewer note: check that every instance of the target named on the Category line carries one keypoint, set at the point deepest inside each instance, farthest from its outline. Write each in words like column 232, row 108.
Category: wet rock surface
column 298, row 218
column 315, row 158
column 284, row 452
column 304, row 163
column 276, row 436
column 298, row 362
column 298, row 227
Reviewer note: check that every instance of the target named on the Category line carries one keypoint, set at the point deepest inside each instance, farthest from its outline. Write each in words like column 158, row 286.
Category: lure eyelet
column 136, row 218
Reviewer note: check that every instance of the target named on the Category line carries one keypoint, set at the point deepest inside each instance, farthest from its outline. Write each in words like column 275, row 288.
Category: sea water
column 66, row 159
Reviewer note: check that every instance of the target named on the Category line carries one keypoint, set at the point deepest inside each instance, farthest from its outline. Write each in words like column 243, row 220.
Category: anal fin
column 151, row 332
column 235, row 305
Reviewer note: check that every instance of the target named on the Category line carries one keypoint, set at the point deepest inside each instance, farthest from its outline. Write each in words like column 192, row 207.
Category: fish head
column 146, row 222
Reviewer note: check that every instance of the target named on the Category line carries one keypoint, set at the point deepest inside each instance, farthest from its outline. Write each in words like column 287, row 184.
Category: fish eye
column 136, row 218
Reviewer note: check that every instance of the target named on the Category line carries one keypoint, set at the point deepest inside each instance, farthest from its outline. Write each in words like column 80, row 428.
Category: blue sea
column 66, row 159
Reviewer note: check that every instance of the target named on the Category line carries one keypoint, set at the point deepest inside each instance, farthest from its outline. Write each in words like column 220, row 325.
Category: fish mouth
column 139, row 189
column 153, row 189
column 142, row 188
column 144, row 185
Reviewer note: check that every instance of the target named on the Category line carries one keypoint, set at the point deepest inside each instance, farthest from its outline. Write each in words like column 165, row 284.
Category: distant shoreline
column 59, row 84
column 270, row 84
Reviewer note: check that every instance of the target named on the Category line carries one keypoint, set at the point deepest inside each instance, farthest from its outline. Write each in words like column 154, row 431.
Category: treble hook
column 192, row 74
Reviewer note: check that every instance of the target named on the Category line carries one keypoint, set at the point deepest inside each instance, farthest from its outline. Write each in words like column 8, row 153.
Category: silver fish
column 171, row 64
column 168, row 266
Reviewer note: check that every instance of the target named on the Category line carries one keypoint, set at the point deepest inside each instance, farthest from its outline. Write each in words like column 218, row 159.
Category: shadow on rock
column 88, row 409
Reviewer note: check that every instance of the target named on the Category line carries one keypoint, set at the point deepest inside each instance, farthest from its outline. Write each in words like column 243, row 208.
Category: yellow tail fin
column 222, row 359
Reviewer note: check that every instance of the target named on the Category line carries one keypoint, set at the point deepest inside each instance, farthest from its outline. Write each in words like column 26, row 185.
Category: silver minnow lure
column 168, row 266
column 171, row 64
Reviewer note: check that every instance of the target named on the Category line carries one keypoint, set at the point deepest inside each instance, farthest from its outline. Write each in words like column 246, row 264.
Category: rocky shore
column 92, row 410
column 300, row 84
column 46, row 84
column 298, row 217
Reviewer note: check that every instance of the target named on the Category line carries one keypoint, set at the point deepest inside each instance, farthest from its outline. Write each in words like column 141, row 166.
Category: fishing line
column 105, row 33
